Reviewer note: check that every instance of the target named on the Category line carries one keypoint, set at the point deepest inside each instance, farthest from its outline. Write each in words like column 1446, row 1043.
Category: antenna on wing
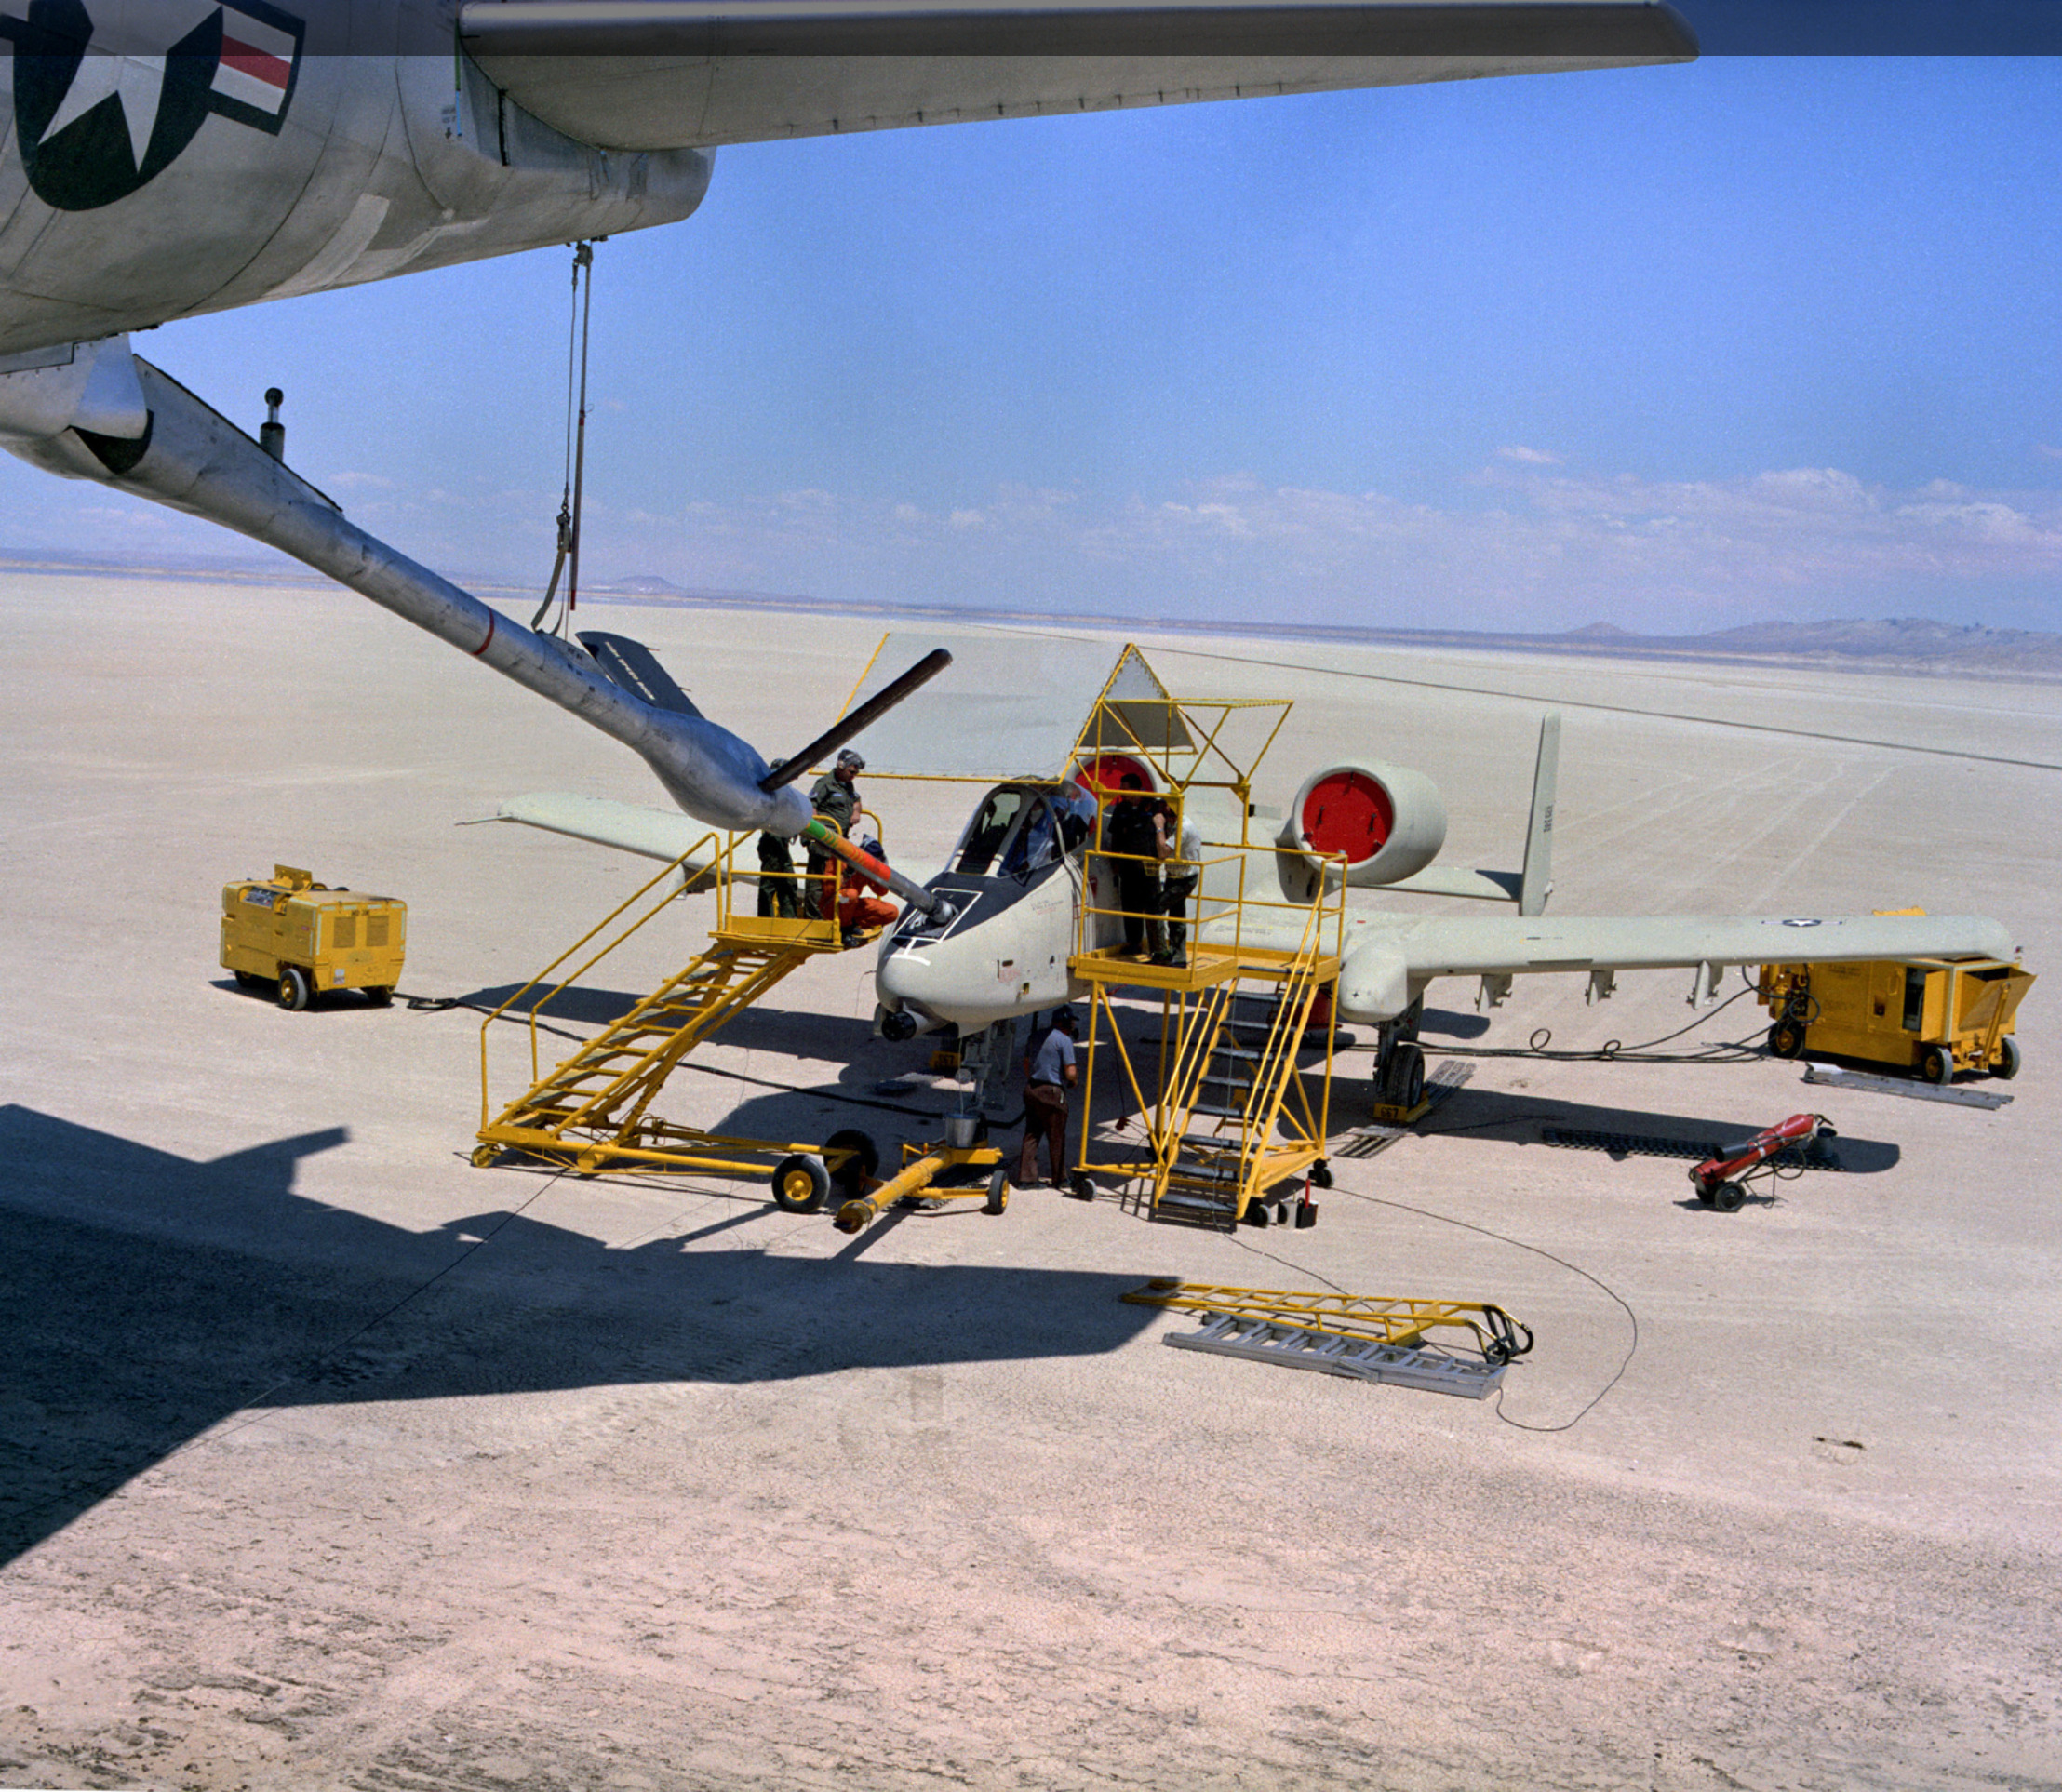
column 850, row 723
column 1537, row 882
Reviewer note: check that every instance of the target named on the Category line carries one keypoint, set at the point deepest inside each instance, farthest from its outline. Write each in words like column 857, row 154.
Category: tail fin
column 1537, row 882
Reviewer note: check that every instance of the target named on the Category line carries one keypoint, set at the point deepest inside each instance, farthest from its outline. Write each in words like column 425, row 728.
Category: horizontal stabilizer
column 1451, row 880
column 635, row 668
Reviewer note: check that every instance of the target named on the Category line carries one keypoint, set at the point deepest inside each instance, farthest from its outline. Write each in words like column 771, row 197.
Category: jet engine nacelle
column 1389, row 821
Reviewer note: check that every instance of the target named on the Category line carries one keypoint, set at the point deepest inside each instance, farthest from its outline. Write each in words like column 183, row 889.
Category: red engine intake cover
column 1350, row 812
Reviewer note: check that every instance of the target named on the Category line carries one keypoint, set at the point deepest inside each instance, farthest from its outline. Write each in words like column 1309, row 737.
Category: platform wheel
column 999, row 1192
column 2009, row 1060
column 1321, row 1175
column 1937, row 1065
column 865, row 1159
column 800, row 1184
column 294, row 991
column 1786, row 1040
column 1081, row 1186
column 1728, row 1197
column 484, row 1156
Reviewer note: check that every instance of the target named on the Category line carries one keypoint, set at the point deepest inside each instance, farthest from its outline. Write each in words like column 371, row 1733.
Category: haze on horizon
column 1673, row 349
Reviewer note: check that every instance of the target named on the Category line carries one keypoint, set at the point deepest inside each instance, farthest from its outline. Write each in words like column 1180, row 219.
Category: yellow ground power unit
column 292, row 935
column 1928, row 1017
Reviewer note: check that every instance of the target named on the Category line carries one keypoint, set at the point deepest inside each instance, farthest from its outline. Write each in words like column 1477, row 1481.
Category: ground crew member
column 777, row 895
column 836, row 799
column 858, row 908
column 1181, row 852
column 1131, row 838
column 1049, row 1071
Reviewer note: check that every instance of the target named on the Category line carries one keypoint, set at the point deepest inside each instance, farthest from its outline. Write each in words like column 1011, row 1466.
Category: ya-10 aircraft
column 1027, row 889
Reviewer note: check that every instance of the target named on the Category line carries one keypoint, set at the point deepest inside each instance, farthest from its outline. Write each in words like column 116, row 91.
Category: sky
column 1675, row 348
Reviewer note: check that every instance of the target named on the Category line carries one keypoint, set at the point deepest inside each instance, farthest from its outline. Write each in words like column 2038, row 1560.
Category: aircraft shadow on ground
column 1523, row 1120
column 145, row 1297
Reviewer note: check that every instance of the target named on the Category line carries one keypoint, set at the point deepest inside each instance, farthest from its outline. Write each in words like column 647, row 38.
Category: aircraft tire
column 1405, row 1086
column 294, row 992
column 862, row 1163
column 800, row 1184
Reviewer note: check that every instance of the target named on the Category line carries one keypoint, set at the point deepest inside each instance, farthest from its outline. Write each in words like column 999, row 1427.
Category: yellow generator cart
column 1928, row 1017
column 299, row 938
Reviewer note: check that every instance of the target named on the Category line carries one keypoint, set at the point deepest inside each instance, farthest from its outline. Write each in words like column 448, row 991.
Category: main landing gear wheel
column 293, row 988
column 800, row 1184
column 999, row 1192
column 850, row 1176
column 1403, row 1084
column 1786, row 1040
column 1937, row 1065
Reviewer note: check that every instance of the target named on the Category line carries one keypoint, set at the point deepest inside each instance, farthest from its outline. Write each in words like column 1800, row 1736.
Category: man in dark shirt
column 1129, row 835
column 1049, row 1071
column 836, row 799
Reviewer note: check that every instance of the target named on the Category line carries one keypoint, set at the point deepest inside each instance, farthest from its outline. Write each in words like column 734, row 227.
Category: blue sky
column 1672, row 348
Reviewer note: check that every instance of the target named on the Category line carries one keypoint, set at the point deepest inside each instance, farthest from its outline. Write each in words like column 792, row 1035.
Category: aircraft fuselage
column 159, row 161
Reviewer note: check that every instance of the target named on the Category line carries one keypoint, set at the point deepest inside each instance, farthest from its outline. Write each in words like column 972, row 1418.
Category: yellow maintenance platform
column 594, row 1112
column 1231, row 1115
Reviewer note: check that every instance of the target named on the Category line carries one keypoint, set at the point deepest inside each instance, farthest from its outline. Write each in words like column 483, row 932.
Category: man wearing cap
column 836, row 799
column 1049, row 1071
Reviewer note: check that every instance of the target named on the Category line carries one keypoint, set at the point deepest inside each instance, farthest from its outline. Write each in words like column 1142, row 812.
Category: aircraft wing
column 661, row 833
column 656, row 74
column 1391, row 958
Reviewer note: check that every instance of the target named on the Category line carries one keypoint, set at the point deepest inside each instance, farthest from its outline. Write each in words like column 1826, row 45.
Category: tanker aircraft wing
column 662, row 75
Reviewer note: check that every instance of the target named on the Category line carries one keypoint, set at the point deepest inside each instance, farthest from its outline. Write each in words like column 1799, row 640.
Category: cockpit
column 1019, row 829
column 1019, row 836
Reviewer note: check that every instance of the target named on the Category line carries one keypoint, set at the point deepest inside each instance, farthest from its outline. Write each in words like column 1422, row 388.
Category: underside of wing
column 654, row 74
column 660, row 834
column 1392, row 961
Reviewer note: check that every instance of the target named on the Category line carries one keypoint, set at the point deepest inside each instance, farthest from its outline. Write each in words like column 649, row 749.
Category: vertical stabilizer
column 1537, row 880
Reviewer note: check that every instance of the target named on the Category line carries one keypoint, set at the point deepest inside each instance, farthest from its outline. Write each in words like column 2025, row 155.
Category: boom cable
column 571, row 492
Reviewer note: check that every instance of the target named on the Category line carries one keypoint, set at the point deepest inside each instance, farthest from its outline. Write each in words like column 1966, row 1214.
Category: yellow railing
column 721, row 857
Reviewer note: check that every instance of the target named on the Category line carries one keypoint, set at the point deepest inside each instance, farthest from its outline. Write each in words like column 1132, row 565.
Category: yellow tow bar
column 921, row 1167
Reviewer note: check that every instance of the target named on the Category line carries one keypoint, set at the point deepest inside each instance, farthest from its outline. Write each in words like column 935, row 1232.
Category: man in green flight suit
column 836, row 799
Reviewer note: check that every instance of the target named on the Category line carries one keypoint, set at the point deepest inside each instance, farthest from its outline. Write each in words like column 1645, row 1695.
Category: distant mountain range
column 1901, row 644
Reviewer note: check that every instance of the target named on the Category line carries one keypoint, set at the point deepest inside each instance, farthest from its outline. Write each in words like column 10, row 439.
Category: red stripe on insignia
column 494, row 616
column 259, row 64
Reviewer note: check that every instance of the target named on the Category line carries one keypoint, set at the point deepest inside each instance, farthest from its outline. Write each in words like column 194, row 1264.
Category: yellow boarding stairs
column 594, row 1110
column 1233, row 1119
